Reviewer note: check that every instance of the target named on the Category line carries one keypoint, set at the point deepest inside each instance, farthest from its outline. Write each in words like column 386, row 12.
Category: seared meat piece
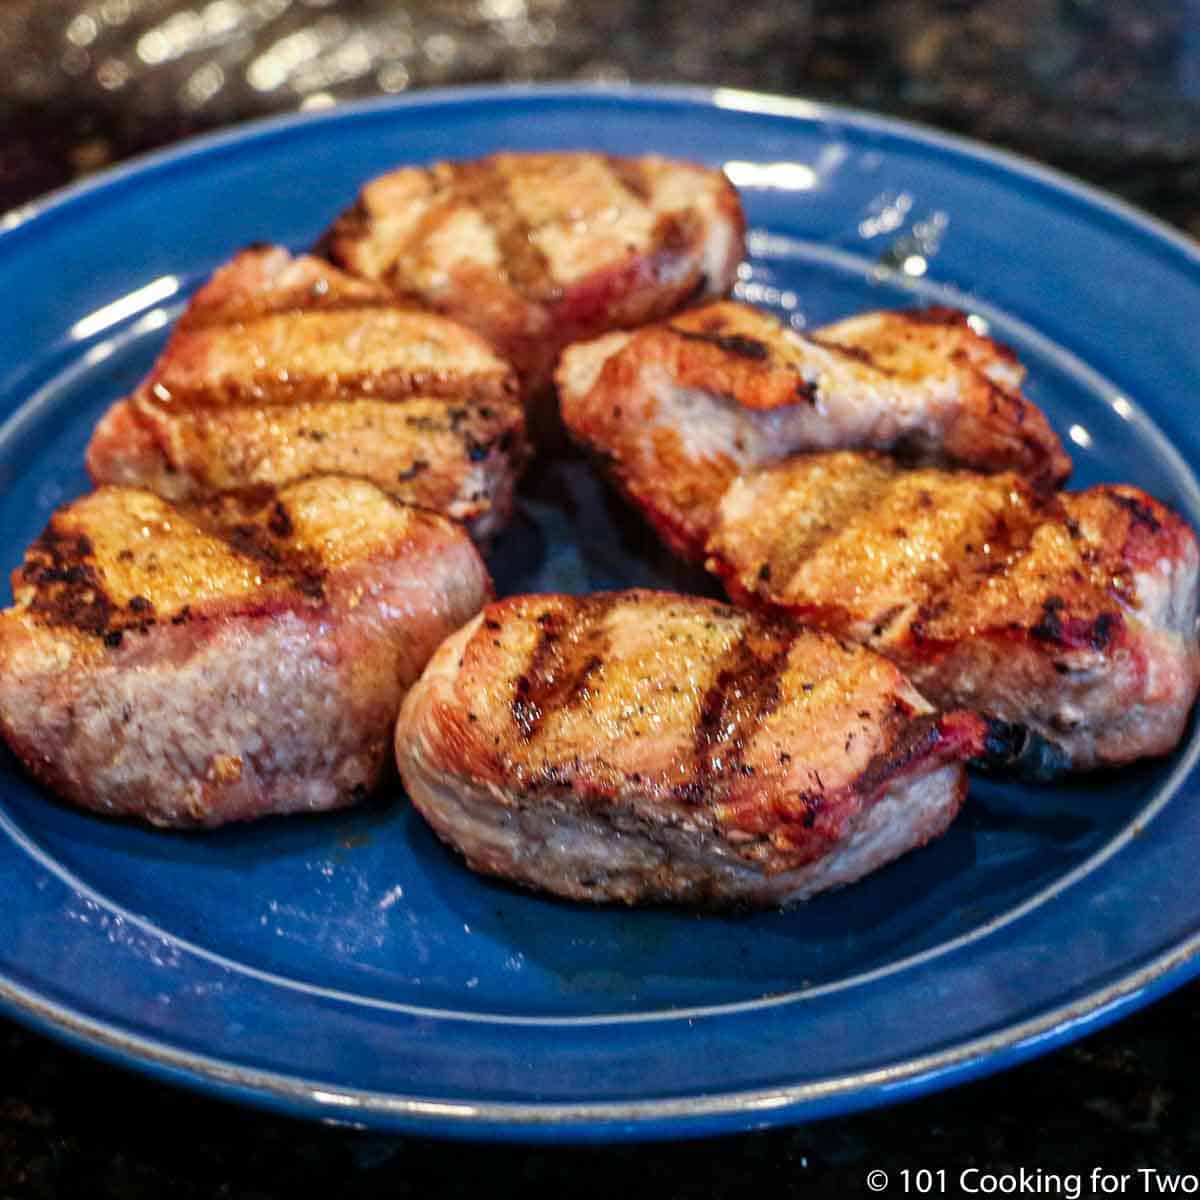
column 640, row 746
column 1073, row 615
column 245, row 657
column 678, row 410
column 539, row 250
column 286, row 367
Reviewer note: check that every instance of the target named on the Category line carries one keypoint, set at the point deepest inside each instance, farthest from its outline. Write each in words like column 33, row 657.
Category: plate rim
column 745, row 100
column 602, row 1120
column 710, row 1113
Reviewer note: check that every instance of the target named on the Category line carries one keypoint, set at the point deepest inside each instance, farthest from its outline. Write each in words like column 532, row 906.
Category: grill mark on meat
column 858, row 354
column 1009, row 537
column 674, row 235
column 732, row 343
column 532, row 687
column 869, row 496
column 483, row 186
column 744, row 692
column 274, row 556
column 395, row 385
column 244, row 315
column 752, row 349
column 570, row 649
column 631, row 175
column 918, row 739
column 69, row 590
column 442, row 200
column 255, row 524
column 1007, row 542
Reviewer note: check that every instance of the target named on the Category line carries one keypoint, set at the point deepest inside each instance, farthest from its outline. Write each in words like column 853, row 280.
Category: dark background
column 1107, row 90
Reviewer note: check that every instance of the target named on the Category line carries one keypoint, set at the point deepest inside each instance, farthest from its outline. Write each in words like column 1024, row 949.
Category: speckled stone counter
column 1109, row 91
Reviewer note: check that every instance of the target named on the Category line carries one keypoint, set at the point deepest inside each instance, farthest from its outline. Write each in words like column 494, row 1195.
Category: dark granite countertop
column 1107, row 90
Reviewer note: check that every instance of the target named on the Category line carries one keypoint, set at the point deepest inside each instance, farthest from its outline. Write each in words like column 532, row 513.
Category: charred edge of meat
column 1017, row 752
column 68, row 589
column 353, row 223
column 936, row 314
column 941, row 314
column 806, row 391
column 70, row 592
column 918, row 738
column 732, row 343
column 1055, row 626
column 1140, row 513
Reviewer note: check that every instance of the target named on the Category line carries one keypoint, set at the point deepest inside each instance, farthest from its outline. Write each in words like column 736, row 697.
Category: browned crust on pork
column 242, row 658
column 725, row 752
column 286, row 367
column 539, row 250
column 677, row 410
column 1071, row 614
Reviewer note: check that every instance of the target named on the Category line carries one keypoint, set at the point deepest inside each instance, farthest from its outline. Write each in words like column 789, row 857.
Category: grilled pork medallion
column 286, row 367
column 1071, row 615
column 244, row 657
column 677, row 410
column 641, row 746
column 539, row 250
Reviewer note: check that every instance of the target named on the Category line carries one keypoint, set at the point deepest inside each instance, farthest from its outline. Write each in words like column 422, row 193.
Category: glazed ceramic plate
column 348, row 967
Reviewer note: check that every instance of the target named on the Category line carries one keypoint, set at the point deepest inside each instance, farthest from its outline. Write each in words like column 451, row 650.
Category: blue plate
column 348, row 967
